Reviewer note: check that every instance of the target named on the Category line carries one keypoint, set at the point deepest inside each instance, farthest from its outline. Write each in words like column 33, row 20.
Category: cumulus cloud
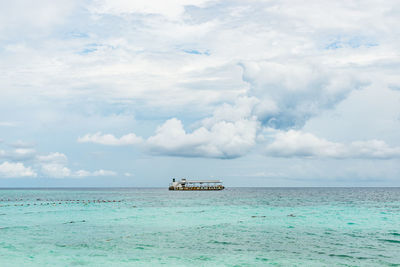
column 299, row 144
column 181, row 59
column 15, row 170
column 19, row 154
column 55, row 157
column 55, row 170
column 290, row 93
column 222, row 140
column 22, row 144
column 230, row 133
column 193, row 61
column 54, row 165
column 109, row 139
column 171, row 9
column 83, row 173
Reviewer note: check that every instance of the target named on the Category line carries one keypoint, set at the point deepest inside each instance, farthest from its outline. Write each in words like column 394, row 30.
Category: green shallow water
column 234, row 227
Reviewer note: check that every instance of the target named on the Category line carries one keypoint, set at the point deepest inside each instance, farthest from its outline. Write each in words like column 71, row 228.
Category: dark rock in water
column 291, row 215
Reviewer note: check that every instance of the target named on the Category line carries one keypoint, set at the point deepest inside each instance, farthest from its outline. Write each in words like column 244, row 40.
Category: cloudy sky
column 256, row 93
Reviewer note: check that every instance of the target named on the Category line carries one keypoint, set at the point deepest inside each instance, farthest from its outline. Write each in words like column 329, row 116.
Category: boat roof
column 202, row 181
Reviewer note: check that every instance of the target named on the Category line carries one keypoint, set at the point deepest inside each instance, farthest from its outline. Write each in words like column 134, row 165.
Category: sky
column 114, row 93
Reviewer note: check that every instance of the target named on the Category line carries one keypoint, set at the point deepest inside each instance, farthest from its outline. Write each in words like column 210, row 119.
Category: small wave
column 203, row 258
column 395, row 234
column 390, row 241
column 223, row 242
column 341, row 255
column 74, row 221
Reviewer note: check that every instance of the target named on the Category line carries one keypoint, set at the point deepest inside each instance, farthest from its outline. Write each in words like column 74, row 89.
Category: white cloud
column 22, row 144
column 109, row 139
column 219, row 139
column 192, row 62
column 55, row 170
column 289, row 94
column 242, row 109
column 83, row 173
column 19, row 154
column 54, row 165
column 299, row 144
column 15, row 170
column 55, row 157
column 249, row 63
column 104, row 173
column 24, row 153
column 377, row 149
column 172, row 9
column 222, row 140
column 229, row 133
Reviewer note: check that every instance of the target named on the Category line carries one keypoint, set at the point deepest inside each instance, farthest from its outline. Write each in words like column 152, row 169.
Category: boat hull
column 217, row 188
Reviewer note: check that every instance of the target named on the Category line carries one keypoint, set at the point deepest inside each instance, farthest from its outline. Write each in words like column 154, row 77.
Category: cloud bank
column 299, row 144
column 52, row 165
column 226, row 140
column 222, row 140
column 202, row 79
column 109, row 139
column 15, row 170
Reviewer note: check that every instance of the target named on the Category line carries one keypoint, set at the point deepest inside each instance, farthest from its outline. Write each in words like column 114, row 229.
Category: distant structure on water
column 199, row 185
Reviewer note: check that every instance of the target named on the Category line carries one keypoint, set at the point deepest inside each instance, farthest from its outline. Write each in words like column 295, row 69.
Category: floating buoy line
column 54, row 202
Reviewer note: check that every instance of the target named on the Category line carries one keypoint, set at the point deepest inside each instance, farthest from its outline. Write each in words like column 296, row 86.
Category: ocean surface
column 234, row 227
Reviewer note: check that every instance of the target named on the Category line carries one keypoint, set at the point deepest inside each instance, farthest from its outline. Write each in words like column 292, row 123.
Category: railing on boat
column 199, row 188
column 196, row 185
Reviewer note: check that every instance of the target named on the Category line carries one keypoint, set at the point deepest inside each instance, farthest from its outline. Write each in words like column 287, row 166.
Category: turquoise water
column 234, row 227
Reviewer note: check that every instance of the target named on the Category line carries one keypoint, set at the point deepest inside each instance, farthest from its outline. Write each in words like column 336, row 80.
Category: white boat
column 196, row 185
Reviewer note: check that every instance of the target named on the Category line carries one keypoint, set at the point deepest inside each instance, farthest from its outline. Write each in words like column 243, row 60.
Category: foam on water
column 237, row 226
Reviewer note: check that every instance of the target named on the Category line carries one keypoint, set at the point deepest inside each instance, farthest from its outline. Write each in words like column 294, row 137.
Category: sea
column 233, row 227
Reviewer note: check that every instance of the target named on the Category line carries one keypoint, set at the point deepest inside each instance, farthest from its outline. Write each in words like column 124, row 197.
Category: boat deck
column 197, row 188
